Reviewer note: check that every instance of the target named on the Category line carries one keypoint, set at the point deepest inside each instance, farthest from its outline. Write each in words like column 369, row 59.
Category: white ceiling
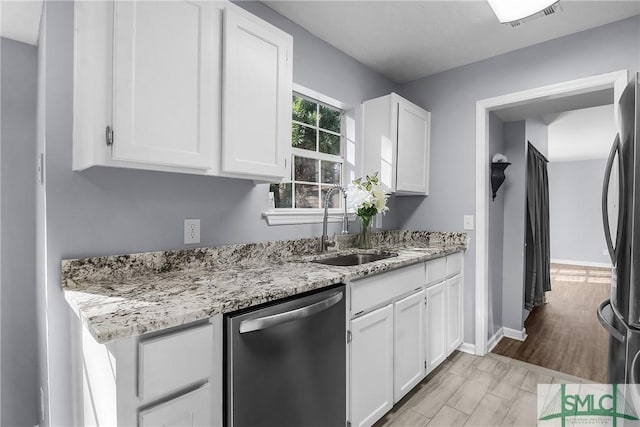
column 582, row 134
column 406, row 40
column 20, row 20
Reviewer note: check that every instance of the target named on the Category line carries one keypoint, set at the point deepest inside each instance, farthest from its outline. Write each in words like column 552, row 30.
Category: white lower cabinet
column 454, row 313
column 189, row 410
column 404, row 323
column 167, row 379
column 436, row 325
column 409, row 343
column 371, row 366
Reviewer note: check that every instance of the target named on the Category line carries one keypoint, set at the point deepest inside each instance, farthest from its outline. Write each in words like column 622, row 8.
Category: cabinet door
column 189, row 410
column 412, row 168
column 454, row 313
column 371, row 366
column 166, row 78
column 257, row 84
column 409, row 366
column 436, row 325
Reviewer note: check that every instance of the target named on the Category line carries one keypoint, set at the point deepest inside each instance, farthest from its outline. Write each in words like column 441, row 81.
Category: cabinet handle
column 108, row 133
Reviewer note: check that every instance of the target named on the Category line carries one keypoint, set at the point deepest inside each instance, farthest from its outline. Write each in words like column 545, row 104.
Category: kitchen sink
column 355, row 259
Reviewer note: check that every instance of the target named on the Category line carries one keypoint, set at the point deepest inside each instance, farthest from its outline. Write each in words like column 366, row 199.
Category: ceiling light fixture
column 515, row 12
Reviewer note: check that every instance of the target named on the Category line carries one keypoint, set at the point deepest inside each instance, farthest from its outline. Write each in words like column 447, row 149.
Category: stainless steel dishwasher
column 286, row 363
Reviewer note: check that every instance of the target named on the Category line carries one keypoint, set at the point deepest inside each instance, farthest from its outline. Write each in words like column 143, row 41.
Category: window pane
column 304, row 111
column 329, row 119
column 336, row 197
column 303, row 137
column 307, row 196
column 330, row 172
column 306, row 169
column 329, row 143
column 281, row 195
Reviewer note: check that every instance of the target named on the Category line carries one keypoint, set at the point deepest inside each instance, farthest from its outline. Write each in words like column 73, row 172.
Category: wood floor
column 564, row 334
column 470, row 390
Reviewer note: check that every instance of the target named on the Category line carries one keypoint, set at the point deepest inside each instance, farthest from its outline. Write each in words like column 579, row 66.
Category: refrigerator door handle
column 613, row 250
column 605, row 316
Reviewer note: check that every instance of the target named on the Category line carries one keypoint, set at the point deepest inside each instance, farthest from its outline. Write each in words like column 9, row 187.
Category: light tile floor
column 470, row 390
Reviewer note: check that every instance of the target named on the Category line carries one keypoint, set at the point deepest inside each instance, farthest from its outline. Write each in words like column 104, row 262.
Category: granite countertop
column 121, row 296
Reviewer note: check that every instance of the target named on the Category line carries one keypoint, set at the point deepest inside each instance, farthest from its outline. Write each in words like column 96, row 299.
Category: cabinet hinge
column 425, row 364
column 109, row 136
column 425, row 300
column 348, row 423
column 349, row 336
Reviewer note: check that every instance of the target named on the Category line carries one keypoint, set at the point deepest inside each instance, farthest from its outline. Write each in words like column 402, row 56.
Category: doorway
column 561, row 328
column 561, row 96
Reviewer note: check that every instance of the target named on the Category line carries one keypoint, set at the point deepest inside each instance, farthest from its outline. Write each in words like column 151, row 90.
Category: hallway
column 564, row 334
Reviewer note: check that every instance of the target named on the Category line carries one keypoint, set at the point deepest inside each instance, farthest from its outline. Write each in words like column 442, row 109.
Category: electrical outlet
column 468, row 222
column 605, row 251
column 191, row 231
column 379, row 221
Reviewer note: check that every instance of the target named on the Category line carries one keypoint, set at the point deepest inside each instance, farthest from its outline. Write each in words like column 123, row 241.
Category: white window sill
column 304, row 216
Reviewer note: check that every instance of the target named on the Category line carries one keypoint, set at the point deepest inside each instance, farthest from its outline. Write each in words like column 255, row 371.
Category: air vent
column 545, row 12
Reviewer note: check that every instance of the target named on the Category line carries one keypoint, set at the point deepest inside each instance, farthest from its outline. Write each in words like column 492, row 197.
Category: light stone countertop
column 123, row 296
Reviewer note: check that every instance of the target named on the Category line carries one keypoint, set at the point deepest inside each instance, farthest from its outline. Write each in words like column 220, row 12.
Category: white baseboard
column 495, row 339
column 582, row 263
column 515, row 334
column 465, row 347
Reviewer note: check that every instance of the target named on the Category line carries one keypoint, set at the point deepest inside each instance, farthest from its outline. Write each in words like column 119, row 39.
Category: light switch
column 468, row 222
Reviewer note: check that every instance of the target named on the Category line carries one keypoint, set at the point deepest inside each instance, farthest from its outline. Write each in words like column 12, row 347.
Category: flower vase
column 364, row 239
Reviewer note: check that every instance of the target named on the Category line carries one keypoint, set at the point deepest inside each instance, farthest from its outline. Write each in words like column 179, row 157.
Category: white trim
column 515, row 334
column 495, row 339
column 616, row 80
column 466, row 347
column 582, row 263
column 304, row 216
column 302, row 90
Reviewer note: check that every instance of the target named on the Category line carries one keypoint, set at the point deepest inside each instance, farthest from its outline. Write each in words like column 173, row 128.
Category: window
column 317, row 160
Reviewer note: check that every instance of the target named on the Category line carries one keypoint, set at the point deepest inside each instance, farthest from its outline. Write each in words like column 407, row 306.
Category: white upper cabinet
column 165, row 67
column 396, row 137
column 154, row 73
column 257, row 87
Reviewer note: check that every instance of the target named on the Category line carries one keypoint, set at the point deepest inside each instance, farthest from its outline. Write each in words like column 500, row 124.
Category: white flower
column 367, row 195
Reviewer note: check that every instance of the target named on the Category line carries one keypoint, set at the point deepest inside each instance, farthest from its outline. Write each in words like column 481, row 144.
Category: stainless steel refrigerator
column 620, row 314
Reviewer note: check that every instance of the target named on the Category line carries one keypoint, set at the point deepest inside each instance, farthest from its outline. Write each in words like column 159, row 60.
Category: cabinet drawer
column 454, row 264
column 189, row 410
column 169, row 362
column 372, row 291
column 436, row 270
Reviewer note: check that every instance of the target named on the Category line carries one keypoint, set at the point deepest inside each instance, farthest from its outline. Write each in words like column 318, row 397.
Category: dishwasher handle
column 260, row 323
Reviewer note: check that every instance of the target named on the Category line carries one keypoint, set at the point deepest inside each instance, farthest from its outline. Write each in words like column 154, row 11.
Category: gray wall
column 575, row 211
column 108, row 211
column 18, row 328
column 496, row 230
column 537, row 132
column 514, row 226
column 516, row 136
column 451, row 97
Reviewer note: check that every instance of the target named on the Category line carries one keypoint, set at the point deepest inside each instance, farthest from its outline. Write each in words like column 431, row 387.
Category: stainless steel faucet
column 324, row 241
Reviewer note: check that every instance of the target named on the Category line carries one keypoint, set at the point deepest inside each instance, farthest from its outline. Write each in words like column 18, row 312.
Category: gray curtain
column 537, row 280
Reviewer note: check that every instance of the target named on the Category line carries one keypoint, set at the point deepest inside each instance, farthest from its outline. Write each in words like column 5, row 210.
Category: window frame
column 288, row 216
